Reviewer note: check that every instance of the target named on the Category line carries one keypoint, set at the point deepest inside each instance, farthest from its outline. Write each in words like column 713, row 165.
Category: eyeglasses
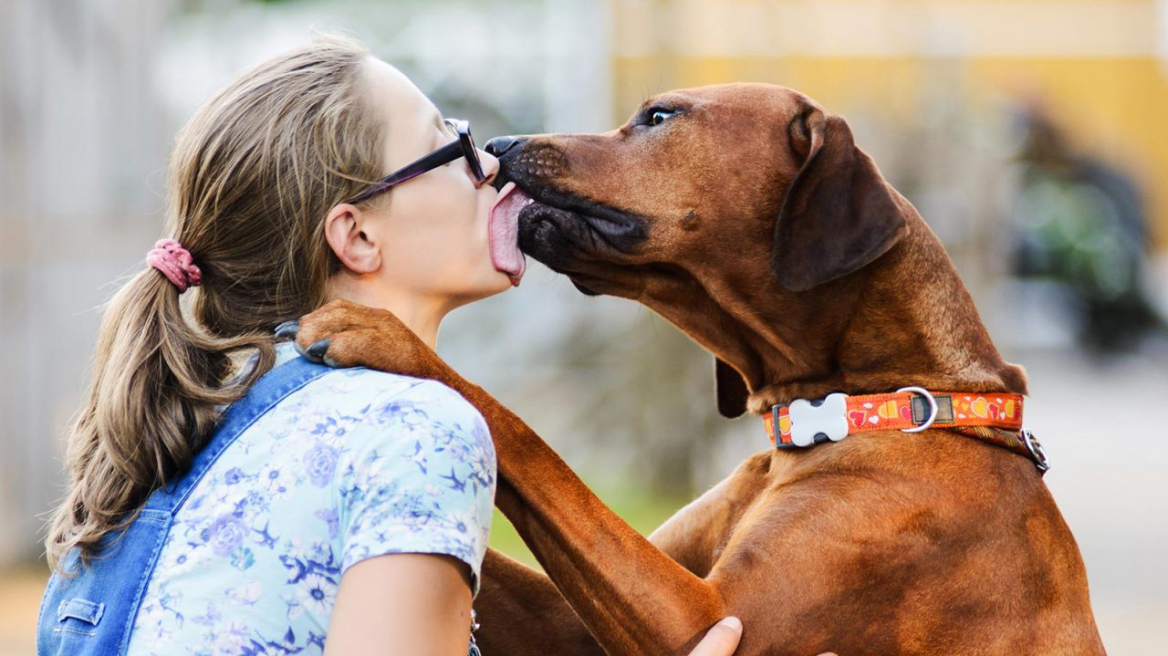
column 464, row 146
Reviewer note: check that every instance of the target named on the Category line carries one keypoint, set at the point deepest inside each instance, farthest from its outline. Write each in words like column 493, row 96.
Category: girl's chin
column 496, row 282
column 502, row 281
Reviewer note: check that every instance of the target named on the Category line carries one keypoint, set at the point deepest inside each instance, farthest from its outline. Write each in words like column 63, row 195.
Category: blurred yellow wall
column 1099, row 66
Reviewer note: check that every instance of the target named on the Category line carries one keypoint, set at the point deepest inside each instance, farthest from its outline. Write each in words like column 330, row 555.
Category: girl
column 256, row 508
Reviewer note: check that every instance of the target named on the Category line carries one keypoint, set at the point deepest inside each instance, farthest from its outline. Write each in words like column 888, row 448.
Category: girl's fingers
column 721, row 640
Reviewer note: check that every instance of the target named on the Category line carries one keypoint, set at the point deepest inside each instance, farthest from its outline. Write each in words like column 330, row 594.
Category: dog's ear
column 731, row 390
column 838, row 214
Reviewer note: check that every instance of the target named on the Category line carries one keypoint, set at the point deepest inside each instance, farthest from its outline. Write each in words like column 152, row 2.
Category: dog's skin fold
column 745, row 215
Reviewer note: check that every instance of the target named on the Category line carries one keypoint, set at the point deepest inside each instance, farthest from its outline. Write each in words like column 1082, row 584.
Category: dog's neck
column 905, row 319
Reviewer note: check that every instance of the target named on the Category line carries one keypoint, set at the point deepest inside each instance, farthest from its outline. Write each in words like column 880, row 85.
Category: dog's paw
column 316, row 351
column 346, row 334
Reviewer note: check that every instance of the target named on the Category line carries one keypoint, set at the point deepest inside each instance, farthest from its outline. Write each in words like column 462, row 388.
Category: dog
column 746, row 215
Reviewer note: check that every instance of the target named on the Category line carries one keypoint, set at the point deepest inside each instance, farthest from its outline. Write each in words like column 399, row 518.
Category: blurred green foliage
column 643, row 511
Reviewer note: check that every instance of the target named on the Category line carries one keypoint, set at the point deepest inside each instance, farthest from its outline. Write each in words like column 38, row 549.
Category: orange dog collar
column 992, row 417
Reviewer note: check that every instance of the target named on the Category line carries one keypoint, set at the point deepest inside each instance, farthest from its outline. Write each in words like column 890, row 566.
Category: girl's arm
column 407, row 603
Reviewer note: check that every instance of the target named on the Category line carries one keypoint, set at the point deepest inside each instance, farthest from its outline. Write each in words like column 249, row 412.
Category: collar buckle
column 815, row 422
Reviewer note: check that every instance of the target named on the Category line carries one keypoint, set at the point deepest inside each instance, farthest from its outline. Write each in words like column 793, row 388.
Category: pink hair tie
column 176, row 263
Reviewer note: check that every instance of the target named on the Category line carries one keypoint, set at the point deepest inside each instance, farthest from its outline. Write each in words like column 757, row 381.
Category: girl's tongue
column 503, row 232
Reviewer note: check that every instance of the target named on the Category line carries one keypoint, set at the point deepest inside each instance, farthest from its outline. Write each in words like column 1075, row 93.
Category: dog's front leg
column 633, row 597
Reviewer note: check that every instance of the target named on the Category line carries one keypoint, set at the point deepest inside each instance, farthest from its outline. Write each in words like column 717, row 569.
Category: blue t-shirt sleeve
column 418, row 476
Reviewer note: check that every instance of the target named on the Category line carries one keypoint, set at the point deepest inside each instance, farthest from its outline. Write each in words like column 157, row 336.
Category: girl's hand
column 723, row 639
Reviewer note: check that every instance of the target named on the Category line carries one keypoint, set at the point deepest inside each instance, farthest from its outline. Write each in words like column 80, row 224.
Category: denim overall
column 92, row 611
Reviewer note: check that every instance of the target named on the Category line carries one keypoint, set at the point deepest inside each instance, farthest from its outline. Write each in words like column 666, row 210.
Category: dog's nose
column 500, row 145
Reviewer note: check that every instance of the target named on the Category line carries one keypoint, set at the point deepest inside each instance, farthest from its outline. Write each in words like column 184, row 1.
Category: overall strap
column 90, row 611
column 265, row 393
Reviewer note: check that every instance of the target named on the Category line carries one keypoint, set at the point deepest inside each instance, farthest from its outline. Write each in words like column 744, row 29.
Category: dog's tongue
column 503, row 232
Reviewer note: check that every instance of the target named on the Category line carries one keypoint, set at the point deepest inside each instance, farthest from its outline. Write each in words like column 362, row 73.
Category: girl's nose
column 490, row 167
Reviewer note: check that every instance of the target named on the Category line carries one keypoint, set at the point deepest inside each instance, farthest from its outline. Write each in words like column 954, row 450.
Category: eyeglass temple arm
column 443, row 155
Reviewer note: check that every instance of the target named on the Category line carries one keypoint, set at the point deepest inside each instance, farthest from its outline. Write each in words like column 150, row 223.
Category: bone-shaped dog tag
column 829, row 417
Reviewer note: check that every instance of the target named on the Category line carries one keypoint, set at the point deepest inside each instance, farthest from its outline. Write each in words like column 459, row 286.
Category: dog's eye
column 658, row 115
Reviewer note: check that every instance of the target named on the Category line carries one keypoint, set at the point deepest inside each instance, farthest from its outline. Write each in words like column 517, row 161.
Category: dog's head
column 702, row 193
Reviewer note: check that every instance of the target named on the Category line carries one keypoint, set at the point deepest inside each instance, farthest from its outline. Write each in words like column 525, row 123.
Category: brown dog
column 745, row 215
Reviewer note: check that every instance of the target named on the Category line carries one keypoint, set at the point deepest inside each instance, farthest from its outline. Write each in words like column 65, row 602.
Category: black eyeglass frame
column 463, row 146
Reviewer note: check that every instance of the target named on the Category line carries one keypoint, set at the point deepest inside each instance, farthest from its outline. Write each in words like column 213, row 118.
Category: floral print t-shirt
column 357, row 463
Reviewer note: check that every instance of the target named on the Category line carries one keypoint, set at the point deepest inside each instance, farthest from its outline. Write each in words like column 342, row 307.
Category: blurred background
column 1031, row 134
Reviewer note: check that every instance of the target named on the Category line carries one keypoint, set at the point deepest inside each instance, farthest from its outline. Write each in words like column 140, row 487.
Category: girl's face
column 426, row 239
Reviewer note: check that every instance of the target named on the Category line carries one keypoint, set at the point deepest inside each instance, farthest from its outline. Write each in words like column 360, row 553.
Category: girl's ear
column 355, row 246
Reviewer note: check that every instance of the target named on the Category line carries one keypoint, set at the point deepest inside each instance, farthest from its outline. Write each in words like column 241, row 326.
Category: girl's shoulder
column 381, row 394
column 377, row 410
column 393, row 395
column 391, row 407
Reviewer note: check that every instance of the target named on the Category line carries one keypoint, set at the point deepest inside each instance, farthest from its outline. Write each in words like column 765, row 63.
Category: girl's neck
column 423, row 315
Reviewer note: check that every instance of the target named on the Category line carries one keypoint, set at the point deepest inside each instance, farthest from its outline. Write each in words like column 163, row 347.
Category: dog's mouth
column 561, row 229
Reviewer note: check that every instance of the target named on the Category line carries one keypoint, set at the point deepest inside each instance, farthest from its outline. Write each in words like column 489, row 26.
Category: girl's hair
column 252, row 176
